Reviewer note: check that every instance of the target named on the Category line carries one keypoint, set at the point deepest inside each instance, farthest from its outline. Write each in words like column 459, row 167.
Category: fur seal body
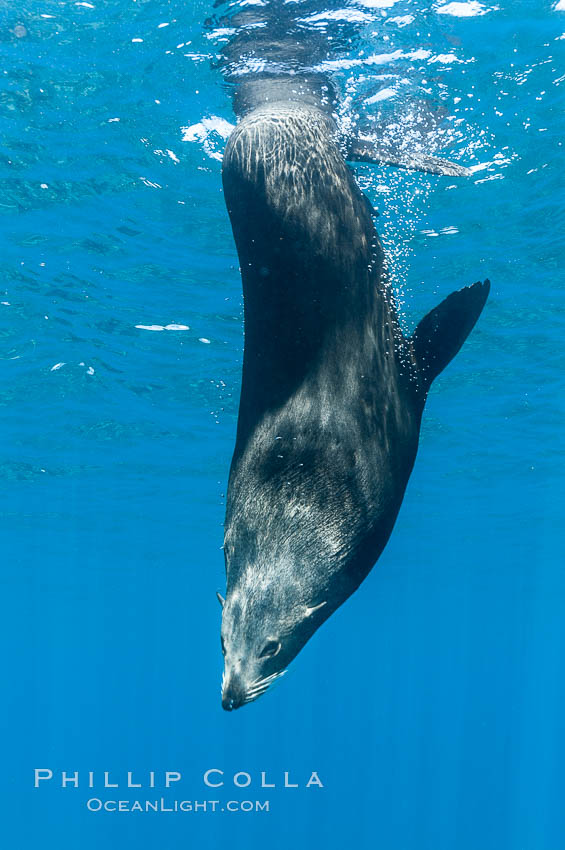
column 332, row 391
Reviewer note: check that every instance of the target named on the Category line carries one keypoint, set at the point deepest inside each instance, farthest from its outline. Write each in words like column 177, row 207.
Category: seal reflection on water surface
column 332, row 391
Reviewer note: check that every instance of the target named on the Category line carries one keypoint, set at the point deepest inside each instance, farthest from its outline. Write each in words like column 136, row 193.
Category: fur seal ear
column 310, row 611
column 441, row 333
column 221, row 599
column 370, row 150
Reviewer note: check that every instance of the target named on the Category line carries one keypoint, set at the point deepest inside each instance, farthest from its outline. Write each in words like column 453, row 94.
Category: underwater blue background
column 431, row 704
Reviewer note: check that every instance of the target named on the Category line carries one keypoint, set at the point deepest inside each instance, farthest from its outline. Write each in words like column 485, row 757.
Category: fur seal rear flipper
column 370, row 150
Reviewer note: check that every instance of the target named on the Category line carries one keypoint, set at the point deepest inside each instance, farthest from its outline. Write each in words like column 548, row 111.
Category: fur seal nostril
column 234, row 693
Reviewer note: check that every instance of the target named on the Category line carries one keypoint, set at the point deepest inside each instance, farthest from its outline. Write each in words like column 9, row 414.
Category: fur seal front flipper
column 442, row 332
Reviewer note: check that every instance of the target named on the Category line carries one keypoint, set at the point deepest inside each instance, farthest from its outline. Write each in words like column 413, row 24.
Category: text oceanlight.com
column 95, row 804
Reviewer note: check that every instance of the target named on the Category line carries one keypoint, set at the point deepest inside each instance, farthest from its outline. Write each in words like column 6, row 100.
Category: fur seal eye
column 270, row 649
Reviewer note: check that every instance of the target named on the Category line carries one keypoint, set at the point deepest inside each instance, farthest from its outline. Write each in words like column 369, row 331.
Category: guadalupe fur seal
column 332, row 391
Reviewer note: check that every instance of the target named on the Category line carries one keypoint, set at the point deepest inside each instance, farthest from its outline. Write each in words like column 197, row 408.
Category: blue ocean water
column 431, row 704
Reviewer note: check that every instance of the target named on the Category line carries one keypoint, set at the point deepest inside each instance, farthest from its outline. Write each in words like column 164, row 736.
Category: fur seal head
column 261, row 634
